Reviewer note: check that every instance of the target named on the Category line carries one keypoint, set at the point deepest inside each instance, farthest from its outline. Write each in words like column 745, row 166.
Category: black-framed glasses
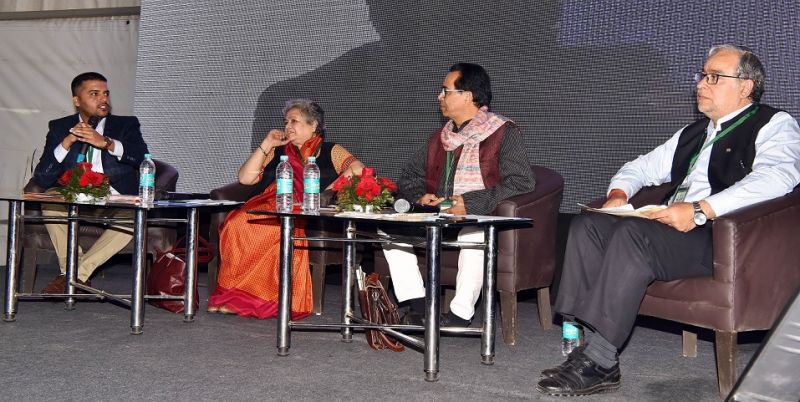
column 444, row 91
column 712, row 78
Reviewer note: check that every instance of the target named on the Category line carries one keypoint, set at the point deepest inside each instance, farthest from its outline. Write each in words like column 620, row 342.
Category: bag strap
column 382, row 311
column 205, row 251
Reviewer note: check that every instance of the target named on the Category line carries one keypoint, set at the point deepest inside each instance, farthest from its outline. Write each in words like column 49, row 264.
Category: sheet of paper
column 625, row 210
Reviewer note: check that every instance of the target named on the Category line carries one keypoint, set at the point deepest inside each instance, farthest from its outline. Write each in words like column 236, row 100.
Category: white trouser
column 407, row 279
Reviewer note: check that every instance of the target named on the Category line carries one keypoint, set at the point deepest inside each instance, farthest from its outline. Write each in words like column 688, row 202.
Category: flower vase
column 368, row 208
column 88, row 198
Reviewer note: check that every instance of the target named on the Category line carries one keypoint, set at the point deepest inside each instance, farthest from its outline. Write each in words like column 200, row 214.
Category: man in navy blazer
column 113, row 145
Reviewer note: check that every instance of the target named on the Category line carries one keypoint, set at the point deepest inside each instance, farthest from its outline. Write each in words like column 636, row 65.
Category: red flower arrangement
column 365, row 190
column 82, row 180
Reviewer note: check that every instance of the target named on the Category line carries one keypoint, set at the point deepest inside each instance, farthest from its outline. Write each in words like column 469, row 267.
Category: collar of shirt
column 101, row 126
column 725, row 118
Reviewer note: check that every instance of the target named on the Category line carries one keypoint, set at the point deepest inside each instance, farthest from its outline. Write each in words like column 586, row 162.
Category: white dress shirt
column 776, row 167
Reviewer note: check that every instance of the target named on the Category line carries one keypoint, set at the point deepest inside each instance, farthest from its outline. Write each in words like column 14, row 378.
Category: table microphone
column 85, row 146
column 403, row 206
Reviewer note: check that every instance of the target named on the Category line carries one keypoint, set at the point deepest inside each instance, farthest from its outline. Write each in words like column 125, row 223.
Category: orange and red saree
column 249, row 278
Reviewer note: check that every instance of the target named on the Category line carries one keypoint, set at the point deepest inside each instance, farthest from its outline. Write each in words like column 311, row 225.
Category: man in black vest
column 742, row 153
column 113, row 145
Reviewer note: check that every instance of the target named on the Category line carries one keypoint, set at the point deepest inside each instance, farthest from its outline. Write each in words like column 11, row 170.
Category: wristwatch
column 700, row 217
column 108, row 144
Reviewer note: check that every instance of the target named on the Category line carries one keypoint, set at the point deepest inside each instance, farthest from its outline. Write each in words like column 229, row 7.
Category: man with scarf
column 475, row 161
column 741, row 153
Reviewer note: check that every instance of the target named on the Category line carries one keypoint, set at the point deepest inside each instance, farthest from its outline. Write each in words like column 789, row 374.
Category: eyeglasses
column 444, row 91
column 712, row 78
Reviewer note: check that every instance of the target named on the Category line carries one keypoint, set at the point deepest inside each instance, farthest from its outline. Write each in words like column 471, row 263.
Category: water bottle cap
column 312, row 159
column 147, row 156
column 284, row 157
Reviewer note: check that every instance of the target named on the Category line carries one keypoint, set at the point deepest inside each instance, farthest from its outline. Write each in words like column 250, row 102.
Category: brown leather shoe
column 56, row 286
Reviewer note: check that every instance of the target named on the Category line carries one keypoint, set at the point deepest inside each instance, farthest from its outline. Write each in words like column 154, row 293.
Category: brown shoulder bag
column 377, row 308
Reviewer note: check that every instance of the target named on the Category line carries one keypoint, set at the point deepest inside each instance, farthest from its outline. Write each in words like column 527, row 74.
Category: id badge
column 680, row 194
column 445, row 204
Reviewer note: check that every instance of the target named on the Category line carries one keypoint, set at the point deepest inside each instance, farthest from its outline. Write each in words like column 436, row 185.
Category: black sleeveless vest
column 327, row 172
column 731, row 157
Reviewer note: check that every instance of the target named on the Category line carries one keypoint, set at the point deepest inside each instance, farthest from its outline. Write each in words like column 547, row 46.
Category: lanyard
column 448, row 168
column 718, row 137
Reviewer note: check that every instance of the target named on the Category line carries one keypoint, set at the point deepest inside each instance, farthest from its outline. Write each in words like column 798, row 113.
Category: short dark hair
column 81, row 78
column 474, row 79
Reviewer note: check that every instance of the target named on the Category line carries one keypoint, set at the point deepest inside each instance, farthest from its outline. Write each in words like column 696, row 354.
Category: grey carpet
column 88, row 354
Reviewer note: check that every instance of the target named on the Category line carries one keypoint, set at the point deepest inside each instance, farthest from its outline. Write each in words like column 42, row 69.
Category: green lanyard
column 718, row 137
column 448, row 168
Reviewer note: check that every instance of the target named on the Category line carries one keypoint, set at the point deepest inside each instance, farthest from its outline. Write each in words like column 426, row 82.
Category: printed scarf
column 468, row 172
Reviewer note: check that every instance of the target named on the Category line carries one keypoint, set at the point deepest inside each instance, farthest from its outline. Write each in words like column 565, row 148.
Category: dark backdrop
column 592, row 84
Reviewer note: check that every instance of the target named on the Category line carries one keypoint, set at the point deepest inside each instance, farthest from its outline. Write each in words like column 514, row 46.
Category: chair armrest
column 529, row 253
column 763, row 238
column 755, row 249
column 234, row 192
column 646, row 196
column 166, row 176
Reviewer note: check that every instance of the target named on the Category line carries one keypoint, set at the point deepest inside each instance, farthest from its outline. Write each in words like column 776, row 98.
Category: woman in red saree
column 248, row 279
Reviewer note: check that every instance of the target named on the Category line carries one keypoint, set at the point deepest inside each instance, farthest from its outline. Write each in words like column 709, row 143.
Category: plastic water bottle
column 570, row 337
column 284, row 177
column 311, row 186
column 147, row 180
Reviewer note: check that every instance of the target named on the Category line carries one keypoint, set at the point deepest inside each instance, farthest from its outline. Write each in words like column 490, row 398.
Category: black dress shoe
column 581, row 377
column 571, row 358
column 412, row 318
column 452, row 320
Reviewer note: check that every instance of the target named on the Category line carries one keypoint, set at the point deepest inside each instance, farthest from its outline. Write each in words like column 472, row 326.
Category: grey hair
column 750, row 67
column 311, row 110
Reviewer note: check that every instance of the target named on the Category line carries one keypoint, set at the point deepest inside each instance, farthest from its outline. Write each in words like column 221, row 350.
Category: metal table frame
column 430, row 341
column 140, row 220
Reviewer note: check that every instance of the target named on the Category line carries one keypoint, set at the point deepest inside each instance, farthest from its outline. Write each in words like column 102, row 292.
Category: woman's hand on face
column 275, row 138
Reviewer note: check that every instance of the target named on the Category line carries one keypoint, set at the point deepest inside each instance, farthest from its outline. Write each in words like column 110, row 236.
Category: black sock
column 600, row 349
column 417, row 306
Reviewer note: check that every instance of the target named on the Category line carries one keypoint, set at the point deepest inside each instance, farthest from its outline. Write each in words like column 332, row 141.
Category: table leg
column 348, row 271
column 190, row 285
column 434, row 248
column 139, row 259
column 72, row 255
column 285, row 292
column 12, row 260
column 489, row 292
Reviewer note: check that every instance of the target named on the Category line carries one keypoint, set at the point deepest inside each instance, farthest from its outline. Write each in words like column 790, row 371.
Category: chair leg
column 318, row 286
column 28, row 269
column 689, row 344
column 545, row 312
column 725, row 343
column 211, row 277
column 508, row 316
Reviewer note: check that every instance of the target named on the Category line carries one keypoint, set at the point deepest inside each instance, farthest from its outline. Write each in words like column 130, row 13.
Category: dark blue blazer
column 122, row 174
